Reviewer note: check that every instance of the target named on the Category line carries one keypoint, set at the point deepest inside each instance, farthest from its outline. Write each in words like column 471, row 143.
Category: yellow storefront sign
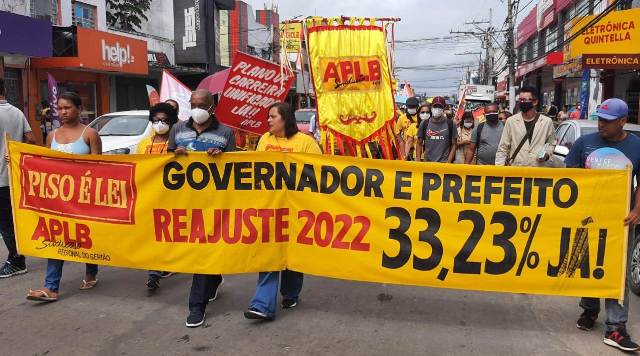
column 508, row 229
column 616, row 33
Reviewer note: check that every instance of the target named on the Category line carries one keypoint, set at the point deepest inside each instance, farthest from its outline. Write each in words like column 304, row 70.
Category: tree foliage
column 127, row 14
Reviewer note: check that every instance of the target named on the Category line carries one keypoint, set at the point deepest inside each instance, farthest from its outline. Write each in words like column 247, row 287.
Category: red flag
column 172, row 88
column 461, row 106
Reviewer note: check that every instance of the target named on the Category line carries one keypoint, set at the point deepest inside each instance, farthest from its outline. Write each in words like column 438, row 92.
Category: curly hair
column 167, row 109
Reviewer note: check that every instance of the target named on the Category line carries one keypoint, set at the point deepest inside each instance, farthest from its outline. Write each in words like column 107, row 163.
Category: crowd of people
column 425, row 132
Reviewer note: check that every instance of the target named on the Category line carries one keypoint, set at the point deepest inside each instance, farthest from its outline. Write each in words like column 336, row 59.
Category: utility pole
column 485, row 35
column 511, row 52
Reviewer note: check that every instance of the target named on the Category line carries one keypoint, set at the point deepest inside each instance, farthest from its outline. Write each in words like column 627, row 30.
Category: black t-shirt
column 530, row 125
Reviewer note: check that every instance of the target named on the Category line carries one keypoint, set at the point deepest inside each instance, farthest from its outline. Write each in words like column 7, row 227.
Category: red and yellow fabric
column 352, row 82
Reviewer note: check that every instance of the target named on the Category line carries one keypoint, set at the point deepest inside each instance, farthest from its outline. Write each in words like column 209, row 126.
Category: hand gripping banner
column 508, row 229
column 352, row 83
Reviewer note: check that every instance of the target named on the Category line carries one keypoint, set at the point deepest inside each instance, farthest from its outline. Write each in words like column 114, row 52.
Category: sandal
column 88, row 284
column 42, row 296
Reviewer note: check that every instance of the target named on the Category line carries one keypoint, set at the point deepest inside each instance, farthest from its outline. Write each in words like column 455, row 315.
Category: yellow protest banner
column 352, row 81
column 291, row 36
column 509, row 229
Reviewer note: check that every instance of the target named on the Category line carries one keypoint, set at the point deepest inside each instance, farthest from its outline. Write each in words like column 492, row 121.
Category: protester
column 162, row 116
column 575, row 114
column 15, row 124
column 404, row 121
column 504, row 115
column 437, row 136
column 411, row 133
column 75, row 138
column 528, row 137
column 283, row 136
column 485, row 138
column 202, row 132
column 173, row 103
column 552, row 111
column 612, row 116
column 465, row 128
column 563, row 114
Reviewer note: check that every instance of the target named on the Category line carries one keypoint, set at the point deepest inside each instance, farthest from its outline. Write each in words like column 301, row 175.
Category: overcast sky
column 420, row 19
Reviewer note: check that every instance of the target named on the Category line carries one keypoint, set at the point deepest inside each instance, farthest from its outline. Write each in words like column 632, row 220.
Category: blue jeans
column 54, row 274
column 266, row 297
column 617, row 315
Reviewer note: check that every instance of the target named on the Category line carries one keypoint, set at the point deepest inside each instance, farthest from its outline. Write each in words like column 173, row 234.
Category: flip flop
column 88, row 284
column 40, row 296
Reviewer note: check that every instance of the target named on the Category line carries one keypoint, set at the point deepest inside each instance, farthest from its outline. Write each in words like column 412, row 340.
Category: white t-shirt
column 14, row 123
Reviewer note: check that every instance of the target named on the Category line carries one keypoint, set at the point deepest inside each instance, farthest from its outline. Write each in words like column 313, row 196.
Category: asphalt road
column 334, row 318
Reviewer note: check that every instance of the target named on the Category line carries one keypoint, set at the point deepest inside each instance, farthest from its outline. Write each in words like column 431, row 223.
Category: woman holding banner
column 75, row 138
column 283, row 136
column 162, row 116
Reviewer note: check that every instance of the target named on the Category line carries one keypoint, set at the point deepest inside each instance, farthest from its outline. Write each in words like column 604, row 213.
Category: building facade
column 552, row 55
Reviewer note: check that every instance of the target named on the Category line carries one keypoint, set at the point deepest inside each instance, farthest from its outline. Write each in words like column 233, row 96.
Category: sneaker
column 166, row 274
column 215, row 293
column 9, row 270
column 289, row 303
column 153, row 283
column 255, row 314
column 195, row 318
column 587, row 320
column 620, row 339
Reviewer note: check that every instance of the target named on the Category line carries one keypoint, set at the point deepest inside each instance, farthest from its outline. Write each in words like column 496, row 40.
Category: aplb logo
column 92, row 190
column 116, row 56
column 351, row 73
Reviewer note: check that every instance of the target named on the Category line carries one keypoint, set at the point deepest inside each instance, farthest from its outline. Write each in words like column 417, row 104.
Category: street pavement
column 334, row 317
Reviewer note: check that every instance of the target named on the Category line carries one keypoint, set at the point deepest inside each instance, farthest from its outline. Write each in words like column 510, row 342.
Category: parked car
column 567, row 133
column 122, row 131
column 303, row 119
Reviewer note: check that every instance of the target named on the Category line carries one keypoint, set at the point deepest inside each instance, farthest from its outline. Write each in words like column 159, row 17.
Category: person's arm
column 408, row 145
column 49, row 139
column 420, row 144
column 504, row 147
column 28, row 133
column 452, row 151
column 634, row 215
column 574, row 158
column 171, row 144
column 95, row 142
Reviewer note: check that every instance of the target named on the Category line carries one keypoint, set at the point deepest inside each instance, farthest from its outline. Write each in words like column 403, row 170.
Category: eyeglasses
column 160, row 119
column 526, row 100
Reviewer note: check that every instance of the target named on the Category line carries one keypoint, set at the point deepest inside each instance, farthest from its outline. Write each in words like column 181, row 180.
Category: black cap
column 412, row 102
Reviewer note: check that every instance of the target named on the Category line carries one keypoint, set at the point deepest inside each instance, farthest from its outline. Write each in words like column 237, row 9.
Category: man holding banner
column 610, row 148
column 14, row 124
column 202, row 132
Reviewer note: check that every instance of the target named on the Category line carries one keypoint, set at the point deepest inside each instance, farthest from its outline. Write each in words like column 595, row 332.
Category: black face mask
column 526, row 105
column 492, row 117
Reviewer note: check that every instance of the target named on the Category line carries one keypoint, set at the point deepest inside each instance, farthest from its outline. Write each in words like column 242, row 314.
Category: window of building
column 535, row 48
column 551, row 38
column 84, row 15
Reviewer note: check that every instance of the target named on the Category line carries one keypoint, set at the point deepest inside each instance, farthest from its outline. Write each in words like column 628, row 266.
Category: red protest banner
column 252, row 86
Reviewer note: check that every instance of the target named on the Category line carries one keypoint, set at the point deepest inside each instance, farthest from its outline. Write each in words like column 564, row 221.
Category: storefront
column 567, row 77
column 86, row 67
column 21, row 37
column 612, row 47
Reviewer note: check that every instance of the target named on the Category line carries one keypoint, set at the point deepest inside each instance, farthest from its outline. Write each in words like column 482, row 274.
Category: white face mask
column 160, row 127
column 412, row 111
column 200, row 116
column 468, row 125
column 424, row 116
column 437, row 112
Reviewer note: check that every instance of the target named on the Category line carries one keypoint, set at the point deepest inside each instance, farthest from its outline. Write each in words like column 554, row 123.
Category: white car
column 122, row 131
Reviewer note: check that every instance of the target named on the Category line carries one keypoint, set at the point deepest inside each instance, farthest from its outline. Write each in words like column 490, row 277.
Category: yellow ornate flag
column 352, row 81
